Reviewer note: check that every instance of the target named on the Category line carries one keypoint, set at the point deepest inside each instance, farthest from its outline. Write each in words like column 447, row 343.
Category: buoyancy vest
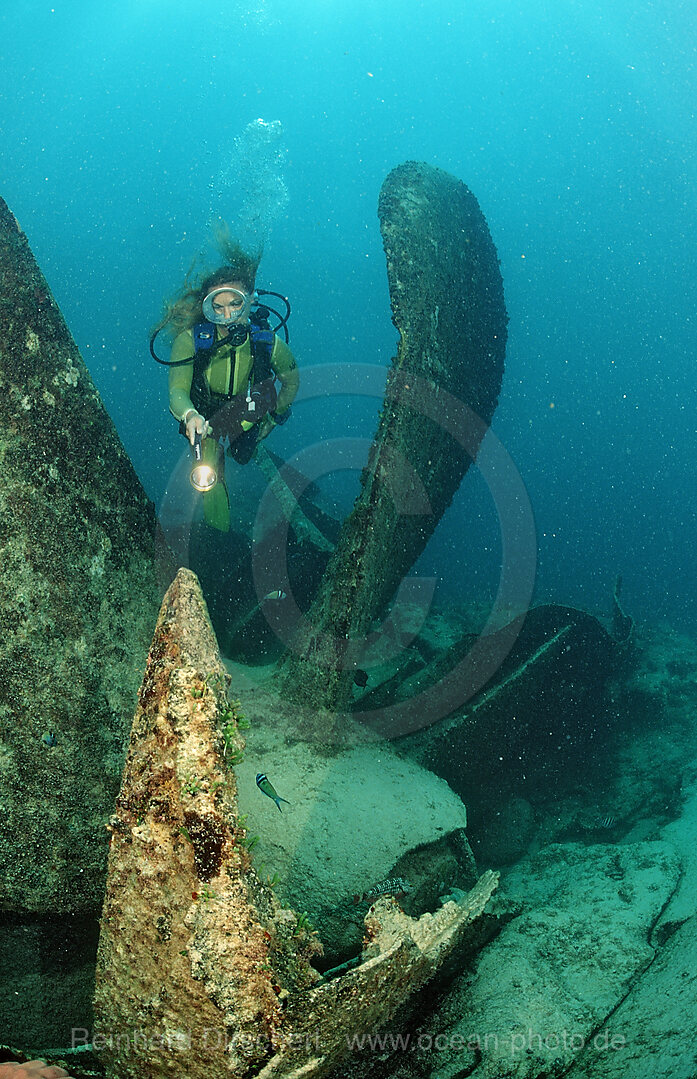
column 226, row 411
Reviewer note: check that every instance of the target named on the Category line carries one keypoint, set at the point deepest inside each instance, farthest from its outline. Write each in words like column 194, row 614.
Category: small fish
column 268, row 788
column 49, row 739
column 361, row 678
column 606, row 822
column 277, row 593
column 395, row 886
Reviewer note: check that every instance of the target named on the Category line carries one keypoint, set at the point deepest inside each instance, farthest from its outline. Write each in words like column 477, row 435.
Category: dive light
column 203, row 476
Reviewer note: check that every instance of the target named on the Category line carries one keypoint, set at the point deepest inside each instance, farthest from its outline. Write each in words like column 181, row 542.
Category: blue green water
column 572, row 123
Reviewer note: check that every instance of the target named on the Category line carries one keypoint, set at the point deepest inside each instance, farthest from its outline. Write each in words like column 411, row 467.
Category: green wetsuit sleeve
column 180, row 377
column 286, row 369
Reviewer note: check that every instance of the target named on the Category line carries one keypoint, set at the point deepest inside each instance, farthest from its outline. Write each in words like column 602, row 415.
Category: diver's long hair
column 183, row 310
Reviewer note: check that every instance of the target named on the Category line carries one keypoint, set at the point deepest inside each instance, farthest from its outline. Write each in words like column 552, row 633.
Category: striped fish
column 267, row 788
column 396, row 886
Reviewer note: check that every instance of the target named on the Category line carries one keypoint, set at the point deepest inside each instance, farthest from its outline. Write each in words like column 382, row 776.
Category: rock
column 680, row 833
column 651, row 1035
column 542, row 989
column 447, row 301
column 350, row 825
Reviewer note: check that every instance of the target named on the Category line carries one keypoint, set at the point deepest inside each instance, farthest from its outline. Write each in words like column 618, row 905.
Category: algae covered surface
column 442, row 388
column 78, row 596
column 234, row 934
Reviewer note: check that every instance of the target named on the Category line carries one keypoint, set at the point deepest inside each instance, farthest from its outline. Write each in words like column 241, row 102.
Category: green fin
column 216, row 503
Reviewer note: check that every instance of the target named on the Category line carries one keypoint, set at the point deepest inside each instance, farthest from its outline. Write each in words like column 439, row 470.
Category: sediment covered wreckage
column 78, row 599
column 194, row 946
column 199, row 966
column 201, row 971
column 442, row 388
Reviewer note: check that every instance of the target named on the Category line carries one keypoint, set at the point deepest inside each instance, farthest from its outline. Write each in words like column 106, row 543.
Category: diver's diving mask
column 228, row 306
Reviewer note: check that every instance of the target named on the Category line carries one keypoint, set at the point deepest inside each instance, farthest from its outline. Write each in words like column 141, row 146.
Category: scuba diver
column 223, row 368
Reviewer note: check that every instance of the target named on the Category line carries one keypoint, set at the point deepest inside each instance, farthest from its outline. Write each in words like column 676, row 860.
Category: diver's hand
column 196, row 424
column 33, row 1069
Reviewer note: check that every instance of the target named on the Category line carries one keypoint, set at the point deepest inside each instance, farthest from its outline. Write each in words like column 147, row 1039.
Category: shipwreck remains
column 538, row 724
column 78, row 601
column 200, row 970
column 448, row 305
